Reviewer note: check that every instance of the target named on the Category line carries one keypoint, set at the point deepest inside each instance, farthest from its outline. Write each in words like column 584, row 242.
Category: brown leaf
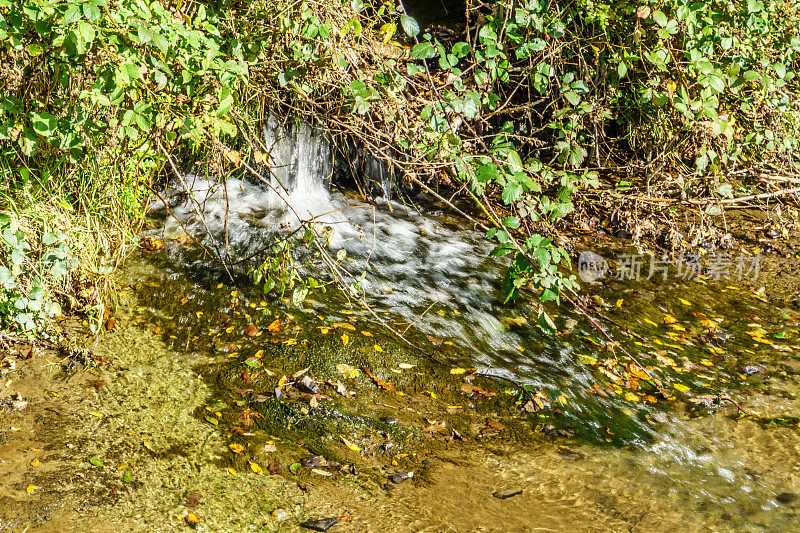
column 435, row 426
column 275, row 326
column 193, row 499
column 379, row 382
column 251, row 330
column 497, row 426
column 637, row 371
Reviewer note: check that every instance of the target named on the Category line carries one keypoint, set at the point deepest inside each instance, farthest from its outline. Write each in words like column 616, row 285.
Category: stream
column 592, row 441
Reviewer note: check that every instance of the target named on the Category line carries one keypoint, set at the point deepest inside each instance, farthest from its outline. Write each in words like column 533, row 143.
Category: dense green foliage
column 532, row 101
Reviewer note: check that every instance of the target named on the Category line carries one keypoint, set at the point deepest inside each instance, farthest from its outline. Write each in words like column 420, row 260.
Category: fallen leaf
column 346, row 370
column 350, row 444
column 255, row 468
column 379, row 382
column 30, row 489
column 275, row 326
column 192, row 519
column 669, row 319
column 34, row 463
column 251, row 330
column 95, row 461
column 345, row 339
column 637, row 372
column 192, row 499
column 236, row 447
column 457, row 371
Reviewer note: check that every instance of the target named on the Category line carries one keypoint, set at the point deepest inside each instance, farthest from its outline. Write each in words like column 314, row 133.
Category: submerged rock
column 322, row 524
column 307, row 384
column 507, row 493
column 787, row 497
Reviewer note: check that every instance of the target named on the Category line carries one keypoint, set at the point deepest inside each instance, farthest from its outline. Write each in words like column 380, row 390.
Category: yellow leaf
column 257, row 469
column 98, row 415
column 236, row 447
column 345, row 339
column 148, row 445
column 34, row 463
column 184, row 301
column 685, row 302
column 350, row 445
column 680, row 387
column 231, row 471
column 192, row 519
column 234, row 294
column 366, row 333
column 620, row 302
column 378, row 348
column 706, row 362
column 324, row 331
column 457, row 371
column 347, row 370
column 669, row 319
column 631, row 397
column 259, row 354
column 650, row 322
column 30, row 489
column 220, row 285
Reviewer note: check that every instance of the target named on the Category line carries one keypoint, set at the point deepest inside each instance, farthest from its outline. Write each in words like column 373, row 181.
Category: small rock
column 280, row 514
column 389, row 420
column 323, row 524
column 786, row 497
column 313, row 462
column 306, row 384
column 17, row 402
column 507, row 493
column 399, row 477
column 426, row 462
column 752, row 369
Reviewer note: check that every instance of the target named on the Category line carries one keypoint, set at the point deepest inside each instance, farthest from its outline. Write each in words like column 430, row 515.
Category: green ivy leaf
column 410, row 25
column 43, row 123
column 512, row 192
column 423, row 51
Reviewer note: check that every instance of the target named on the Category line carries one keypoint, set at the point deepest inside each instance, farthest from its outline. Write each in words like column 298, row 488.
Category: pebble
column 786, row 497
column 398, row 478
column 306, row 384
column 280, row 514
column 389, row 420
column 507, row 493
column 313, row 462
column 753, row 369
column 323, row 524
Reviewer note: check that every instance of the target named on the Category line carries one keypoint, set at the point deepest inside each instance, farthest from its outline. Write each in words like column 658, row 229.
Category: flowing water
column 635, row 457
